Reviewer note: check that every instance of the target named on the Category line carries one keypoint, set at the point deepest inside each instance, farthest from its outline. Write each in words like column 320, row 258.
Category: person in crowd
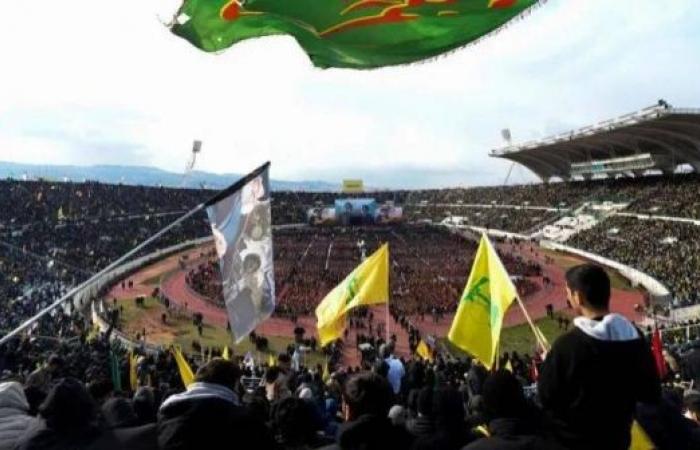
column 595, row 374
column 450, row 429
column 14, row 415
column 209, row 414
column 511, row 425
column 367, row 398
column 396, row 369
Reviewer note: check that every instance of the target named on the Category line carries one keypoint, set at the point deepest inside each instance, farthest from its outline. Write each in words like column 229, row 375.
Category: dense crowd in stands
column 668, row 251
column 81, row 391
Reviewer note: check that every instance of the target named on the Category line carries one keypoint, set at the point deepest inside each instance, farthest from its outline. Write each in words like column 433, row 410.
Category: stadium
column 147, row 308
column 172, row 292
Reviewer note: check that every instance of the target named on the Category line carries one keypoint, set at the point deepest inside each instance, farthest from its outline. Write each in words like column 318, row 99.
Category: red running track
column 175, row 288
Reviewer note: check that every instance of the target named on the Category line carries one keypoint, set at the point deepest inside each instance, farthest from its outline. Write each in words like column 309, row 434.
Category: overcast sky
column 97, row 82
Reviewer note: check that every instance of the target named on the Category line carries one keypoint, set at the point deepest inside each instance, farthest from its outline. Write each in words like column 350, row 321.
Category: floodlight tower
column 196, row 149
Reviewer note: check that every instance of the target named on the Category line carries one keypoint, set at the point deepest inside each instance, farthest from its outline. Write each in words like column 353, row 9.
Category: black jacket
column 589, row 386
column 210, row 423
column 691, row 365
column 512, row 434
column 371, row 433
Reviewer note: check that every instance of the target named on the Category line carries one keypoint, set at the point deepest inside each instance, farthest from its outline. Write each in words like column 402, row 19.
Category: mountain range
column 146, row 176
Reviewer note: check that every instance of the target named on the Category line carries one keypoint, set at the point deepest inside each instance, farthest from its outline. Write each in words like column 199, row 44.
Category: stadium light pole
column 70, row 294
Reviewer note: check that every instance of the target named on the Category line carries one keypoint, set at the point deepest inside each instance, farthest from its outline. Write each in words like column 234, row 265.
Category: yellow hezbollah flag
column 226, row 354
column 423, row 351
column 271, row 362
column 184, row 368
column 368, row 284
column 476, row 327
column 133, row 378
column 640, row 439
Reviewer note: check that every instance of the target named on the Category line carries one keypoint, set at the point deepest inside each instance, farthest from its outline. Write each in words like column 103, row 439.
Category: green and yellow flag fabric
column 357, row 34
column 183, row 366
column 424, row 351
column 476, row 327
column 368, row 284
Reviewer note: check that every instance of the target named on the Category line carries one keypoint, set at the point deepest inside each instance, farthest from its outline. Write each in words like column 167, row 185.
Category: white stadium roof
column 659, row 137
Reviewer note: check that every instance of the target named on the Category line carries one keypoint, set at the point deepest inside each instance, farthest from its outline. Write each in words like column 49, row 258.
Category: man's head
column 55, row 363
column 219, row 371
column 588, row 288
column 503, row 396
column 367, row 393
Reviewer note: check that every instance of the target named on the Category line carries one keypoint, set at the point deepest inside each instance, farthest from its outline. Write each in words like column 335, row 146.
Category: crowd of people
column 82, row 391
column 668, row 251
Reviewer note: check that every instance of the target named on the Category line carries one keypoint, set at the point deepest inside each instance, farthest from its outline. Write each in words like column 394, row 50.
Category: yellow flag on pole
column 225, row 354
column 133, row 377
column 423, row 351
column 271, row 362
column 476, row 327
column 368, row 284
column 184, row 367
column 640, row 439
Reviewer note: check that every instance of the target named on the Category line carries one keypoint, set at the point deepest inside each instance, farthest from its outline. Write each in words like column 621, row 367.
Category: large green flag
column 348, row 33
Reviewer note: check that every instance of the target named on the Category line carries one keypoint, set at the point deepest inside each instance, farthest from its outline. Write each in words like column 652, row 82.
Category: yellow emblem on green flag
column 476, row 327
column 368, row 284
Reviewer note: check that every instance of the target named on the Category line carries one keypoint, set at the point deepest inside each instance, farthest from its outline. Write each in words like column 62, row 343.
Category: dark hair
column 503, row 396
column 219, row 371
column 425, row 401
column 294, row 420
column 592, row 282
column 368, row 393
column 272, row 374
column 68, row 406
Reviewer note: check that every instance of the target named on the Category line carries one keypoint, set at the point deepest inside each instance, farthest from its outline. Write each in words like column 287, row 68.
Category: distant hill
column 146, row 176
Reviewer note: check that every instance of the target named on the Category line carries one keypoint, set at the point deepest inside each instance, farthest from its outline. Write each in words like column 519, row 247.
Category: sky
column 95, row 82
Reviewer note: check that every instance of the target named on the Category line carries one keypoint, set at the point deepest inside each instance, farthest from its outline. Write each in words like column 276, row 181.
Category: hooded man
column 14, row 415
column 595, row 374
column 209, row 414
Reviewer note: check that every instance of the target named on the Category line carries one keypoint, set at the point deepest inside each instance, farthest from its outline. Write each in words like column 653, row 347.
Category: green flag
column 115, row 371
column 348, row 33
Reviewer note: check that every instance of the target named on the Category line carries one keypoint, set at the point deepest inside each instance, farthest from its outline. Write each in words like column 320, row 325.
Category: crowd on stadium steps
column 668, row 251
column 78, row 392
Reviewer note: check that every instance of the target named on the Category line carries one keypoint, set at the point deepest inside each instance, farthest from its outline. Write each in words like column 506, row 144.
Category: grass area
column 617, row 281
column 182, row 332
column 519, row 338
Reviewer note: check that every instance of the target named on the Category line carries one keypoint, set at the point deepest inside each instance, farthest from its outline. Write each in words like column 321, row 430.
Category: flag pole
column 215, row 199
column 538, row 336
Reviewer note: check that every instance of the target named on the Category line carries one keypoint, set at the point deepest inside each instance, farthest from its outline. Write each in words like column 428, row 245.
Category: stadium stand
column 64, row 231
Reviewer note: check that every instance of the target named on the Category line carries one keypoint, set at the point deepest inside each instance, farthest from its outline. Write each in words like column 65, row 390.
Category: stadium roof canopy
column 659, row 137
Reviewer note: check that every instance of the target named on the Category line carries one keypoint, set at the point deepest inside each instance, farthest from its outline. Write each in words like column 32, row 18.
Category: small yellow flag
column 225, row 354
column 184, row 368
column 271, row 362
column 476, row 327
column 640, row 439
column 133, row 377
column 508, row 366
column 368, row 284
column 326, row 373
column 424, row 351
